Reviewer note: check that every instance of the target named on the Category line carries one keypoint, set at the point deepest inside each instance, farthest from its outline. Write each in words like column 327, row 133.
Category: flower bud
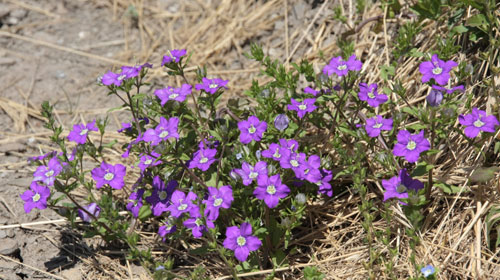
column 300, row 198
column 434, row 98
column 281, row 122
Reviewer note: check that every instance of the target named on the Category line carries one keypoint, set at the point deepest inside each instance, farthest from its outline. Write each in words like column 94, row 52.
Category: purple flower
column 197, row 226
column 135, row 202
column 459, row 88
column 340, row 67
column 241, row 241
column 42, row 157
column 109, row 174
column 434, row 98
column 275, row 152
column 324, row 183
column 164, row 130
column 427, row 270
column 211, row 85
column 35, row 197
column 47, row 174
column 161, row 195
column 376, row 124
column 249, row 173
column 168, row 227
column 310, row 169
column 295, row 161
column 270, row 189
column 370, row 94
column 127, row 127
column 202, row 159
column 173, row 56
column 398, row 186
column 217, row 198
column 436, row 69
column 291, row 144
column 478, row 121
column 281, row 122
column 80, row 132
column 111, row 78
column 93, row 209
column 302, row 107
column 410, row 145
column 251, row 129
column 182, row 203
column 171, row 93
column 149, row 160
column 312, row 91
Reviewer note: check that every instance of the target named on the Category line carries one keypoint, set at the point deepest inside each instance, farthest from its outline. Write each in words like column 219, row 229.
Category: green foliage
column 312, row 273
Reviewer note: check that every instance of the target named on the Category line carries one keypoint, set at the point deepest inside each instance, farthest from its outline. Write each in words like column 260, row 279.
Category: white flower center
column 277, row 153
column 213, row 85
column 478, row 123
column 121, row 77
column 371, row 95
column 302, row 107
column 342, row 67
column 173, row 95
column 218, row 202
column 437, row 71
column 306, row 171
column 271, row 189
column 50, row 173
column 84, row 131
column 148, row 161
column 411, row 145
column 241, row 241
column 109, row 176
column 253, row 175
column 164, row 134
column 182, row 207
column 162, row 195
column 203, row 160
column 252, row 129
column 36, row 197
column 401, row 188
column 198, row 222
column 377, row 125
column 294, row 163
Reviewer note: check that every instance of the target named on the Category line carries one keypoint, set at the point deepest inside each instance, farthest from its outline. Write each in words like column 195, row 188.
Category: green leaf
column 449, row 189
column 477, row 20
column 460, row 29
column 421, row 169
column 199, row 251
column 483, row 174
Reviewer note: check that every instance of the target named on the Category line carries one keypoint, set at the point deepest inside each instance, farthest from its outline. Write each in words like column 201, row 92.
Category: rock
column 8, row 246
column 4, row 10
column 14, row 146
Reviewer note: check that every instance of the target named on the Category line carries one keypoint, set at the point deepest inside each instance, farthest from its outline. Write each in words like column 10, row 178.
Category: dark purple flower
column 202, row 159
column 164, row 130
column 173, row 56
column 436, row 69
column 135, row 202
column 478, row 121
column 93, row 209
column 302, row 107
column 80, row 132
column 250, row 173
column 168, row 227
column 434, row 98
column 270, row 189
column 211, row 85
column 324, row 183
column 459, row 88
column 149, row 160
column 182, row 203
column 370, row 94
column 47, row 174
column 161, row 194
column 251, row 129
column 35, row 197
column 281, row 122
column 398, row 186
column 312, row 91
column 109, row 174
column 217, row 198
column 410, row 145
column 376, row 124
column 197, row 226
column 171, row 93
column 241, row 241
column 42, row 157
column 340, row 67
column 127, row 127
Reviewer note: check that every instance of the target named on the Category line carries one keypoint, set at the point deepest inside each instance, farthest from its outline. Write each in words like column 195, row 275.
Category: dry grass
column 454, row 233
